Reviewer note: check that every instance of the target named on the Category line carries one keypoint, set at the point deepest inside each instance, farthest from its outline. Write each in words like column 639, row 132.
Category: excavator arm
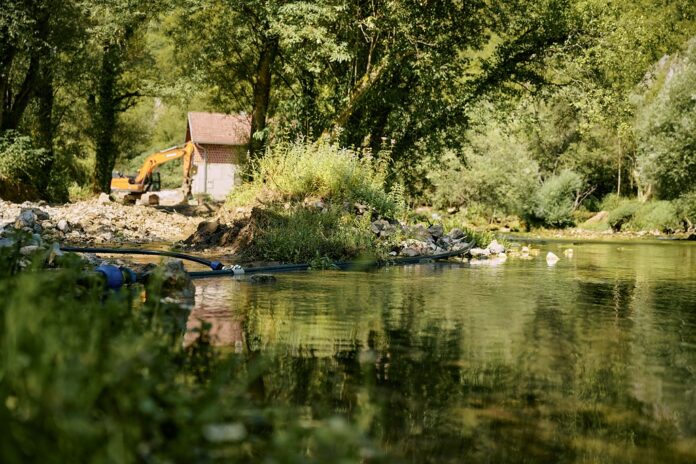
column 141, row 182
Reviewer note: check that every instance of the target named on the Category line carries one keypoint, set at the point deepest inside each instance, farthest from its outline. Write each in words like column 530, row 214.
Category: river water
column 590, row 360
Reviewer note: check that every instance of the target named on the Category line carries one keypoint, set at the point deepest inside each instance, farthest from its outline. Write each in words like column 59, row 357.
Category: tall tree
column 116, row 35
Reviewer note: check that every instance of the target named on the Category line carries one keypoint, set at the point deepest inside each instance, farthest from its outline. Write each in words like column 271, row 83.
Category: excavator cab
column 155, row 182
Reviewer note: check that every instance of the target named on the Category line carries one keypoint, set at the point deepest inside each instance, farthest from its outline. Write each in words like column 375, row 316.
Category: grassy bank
column 319, row 202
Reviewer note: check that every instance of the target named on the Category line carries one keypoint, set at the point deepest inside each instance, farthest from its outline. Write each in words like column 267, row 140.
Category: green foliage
column 21, row 166
column 302, row 235
column 554, row 202
column 632, row 215
column 293, row 172
column 667, row 130
column 496, row 173
column 686, row 209
column 610, row 202
column 18, row 158
column 89, row 376
column 622, row 213
column 656, row 215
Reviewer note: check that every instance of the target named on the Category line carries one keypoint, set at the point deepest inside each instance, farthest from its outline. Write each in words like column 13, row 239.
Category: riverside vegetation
column 501, row 110
column 378, row 129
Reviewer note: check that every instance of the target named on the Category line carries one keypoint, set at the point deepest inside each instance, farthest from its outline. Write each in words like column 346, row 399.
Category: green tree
column 667, row 128
column 117, row 40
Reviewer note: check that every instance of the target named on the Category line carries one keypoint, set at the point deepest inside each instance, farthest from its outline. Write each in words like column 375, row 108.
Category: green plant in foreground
column 88, row 376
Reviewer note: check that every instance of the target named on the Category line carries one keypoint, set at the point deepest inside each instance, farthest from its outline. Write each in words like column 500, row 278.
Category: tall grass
column 305, row 234
column 295, row 171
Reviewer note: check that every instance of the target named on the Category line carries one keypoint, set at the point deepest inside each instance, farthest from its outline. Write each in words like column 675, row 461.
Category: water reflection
column 593, row 360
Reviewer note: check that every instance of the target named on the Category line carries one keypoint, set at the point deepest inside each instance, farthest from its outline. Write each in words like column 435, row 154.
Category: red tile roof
column 219, row 128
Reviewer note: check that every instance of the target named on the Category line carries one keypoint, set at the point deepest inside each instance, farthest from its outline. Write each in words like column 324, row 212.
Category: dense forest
column 500, row 106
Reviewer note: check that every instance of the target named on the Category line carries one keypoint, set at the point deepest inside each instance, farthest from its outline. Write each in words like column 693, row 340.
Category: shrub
column 554, row 202
column 18, row 158
column 686, row 209
column 611, row 202
column 622, row 214
column 21, row 166
column 656, row 215
column 293, row 172
column 497, row 174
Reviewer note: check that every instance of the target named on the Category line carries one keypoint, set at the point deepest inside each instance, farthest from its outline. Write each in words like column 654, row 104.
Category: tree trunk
column 359, row 91
column 44, row 96
column 105, row 119
column 14, row 105
column 262, row 94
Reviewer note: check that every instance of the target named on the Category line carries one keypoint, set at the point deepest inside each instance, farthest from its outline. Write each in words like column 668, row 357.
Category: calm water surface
column 591, row 360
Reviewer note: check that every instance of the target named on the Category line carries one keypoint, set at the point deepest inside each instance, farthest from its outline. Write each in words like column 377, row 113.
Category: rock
column 551, row 258
column 27, row 250
column 496, row 248
column 27, row 218
column 63, row 226
column 104, row 198
column 597, row 218
column 479, row 252
column 360, row 208
column 207, row 227
column 452, row 209
column 388, row 230
column 419, row 232
column 6, row 242
column 410, row 252
column 106, row 237
column 377, row 226
column 436, row 231
column 456, row 234
column 444, row 242
column 459, row 246
column 262, row 279
column 176, row 282
column 150, row 199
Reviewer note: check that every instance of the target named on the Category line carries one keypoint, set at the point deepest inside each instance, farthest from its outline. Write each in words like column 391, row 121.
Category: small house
column 221, row 147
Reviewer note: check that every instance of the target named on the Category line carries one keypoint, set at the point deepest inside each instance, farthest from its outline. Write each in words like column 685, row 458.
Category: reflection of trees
column 487, row 365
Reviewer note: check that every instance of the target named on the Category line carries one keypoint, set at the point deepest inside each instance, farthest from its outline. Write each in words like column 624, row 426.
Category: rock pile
column 421, row 240
column 98, row 221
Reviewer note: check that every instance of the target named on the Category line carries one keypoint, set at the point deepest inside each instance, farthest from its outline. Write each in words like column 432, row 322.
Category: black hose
column 342, row 265
column 218, row 271
column 215, row 265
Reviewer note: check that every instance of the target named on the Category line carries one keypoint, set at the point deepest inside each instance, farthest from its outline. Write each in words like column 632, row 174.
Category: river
column 590, row 360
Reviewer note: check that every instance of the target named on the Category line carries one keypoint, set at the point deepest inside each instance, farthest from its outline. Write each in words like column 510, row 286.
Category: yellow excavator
column 147, row 179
